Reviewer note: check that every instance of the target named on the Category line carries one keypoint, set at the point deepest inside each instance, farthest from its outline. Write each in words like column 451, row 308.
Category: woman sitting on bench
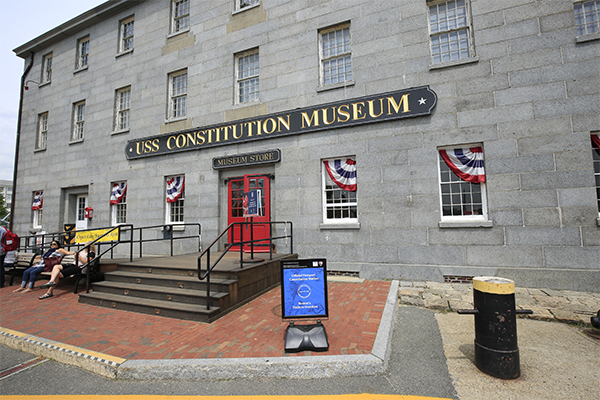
column 49, row 259
column 60, row 271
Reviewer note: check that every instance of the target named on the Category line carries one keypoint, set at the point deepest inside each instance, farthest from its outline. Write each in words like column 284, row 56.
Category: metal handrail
column 31, row 242
column 241, row 243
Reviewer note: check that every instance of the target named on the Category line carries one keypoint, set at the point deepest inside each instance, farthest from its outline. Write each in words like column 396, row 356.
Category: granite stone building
column 408, row 139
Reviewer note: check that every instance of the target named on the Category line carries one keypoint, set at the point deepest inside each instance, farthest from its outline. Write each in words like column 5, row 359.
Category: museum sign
column 413, row 102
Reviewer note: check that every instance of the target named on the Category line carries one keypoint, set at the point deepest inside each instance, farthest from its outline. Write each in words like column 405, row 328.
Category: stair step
column 176, row 281
column 187, row 296
column 191, row 312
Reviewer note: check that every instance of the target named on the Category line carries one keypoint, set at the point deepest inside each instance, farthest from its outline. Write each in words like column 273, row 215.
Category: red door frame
column 236, row 187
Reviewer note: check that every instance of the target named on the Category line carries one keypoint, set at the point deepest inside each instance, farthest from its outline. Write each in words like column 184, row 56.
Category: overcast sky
column 21, row 21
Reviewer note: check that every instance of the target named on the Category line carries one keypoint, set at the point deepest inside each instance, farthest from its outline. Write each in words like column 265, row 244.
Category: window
column 596, row 154
column 247, row 76
column 37, row 207
column 587, row 17
column 126, row 35
column 180, row 16
column 122, row 109
column 339, row 191
column 241, row 4
column 175, row 199
column 177, row 94
column 462, row 184
column 450, row 31
column 83, row 51
column 78, row 120
column 47, row 68
column 118, row 203
column 336, row 58
column 42, row 137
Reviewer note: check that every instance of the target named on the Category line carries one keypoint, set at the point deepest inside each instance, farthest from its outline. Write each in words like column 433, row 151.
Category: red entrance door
column 236, row 188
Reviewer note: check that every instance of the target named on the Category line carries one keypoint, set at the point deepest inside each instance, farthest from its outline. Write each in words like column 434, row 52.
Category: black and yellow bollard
column 496, row 350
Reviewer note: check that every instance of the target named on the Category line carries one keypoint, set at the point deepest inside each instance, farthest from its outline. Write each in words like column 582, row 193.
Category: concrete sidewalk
column 547, row 304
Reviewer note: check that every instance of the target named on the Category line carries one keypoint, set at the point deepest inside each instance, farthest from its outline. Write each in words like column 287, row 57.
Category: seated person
column 49, row 259
column 9, row 261
column 60, row 271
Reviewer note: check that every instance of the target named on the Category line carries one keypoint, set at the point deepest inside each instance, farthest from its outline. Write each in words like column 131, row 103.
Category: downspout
column 14, row 187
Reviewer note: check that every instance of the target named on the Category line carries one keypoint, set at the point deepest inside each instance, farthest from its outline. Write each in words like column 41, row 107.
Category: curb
column 99, row 363
column 304, row 367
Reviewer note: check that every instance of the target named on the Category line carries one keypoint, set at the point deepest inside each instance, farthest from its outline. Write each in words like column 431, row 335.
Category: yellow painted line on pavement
column 363, row 396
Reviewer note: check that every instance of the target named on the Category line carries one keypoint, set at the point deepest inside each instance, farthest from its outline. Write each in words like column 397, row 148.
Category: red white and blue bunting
column 38, row 201
column 343, row 173
column 118, row 191
column 175, row 187
column 596, row 142
column 467, row 163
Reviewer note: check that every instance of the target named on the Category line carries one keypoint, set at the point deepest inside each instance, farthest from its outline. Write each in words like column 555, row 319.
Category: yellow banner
column 88, row 236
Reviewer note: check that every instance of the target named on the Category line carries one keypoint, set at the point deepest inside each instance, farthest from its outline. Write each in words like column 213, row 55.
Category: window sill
column 241, row 10
column 173, row 120
column 335, row 86
column 181, row 32
column 350, row 225
column 449, row 64
column 76, row 141
column 39, row 150
column 124, row 53
column 78, row 70
column 177, row 226
column 120, row 131
column 587, row 38
column 47, row 83
column 466, row 224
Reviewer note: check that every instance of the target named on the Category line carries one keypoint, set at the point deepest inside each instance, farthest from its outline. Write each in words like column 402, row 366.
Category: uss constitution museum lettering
column 414, row 140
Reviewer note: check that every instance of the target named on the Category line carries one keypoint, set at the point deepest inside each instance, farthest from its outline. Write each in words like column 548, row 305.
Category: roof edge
column 80, row 22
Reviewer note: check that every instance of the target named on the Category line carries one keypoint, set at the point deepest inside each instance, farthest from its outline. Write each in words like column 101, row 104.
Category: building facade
column 417, row 140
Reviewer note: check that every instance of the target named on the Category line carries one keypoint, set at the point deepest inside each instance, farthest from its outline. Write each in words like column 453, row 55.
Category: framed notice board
column 304, row 289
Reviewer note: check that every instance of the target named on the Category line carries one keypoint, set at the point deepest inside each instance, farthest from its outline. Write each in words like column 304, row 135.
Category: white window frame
column 83, row 53
column 42, row 136
column 37, row 220
column 247, row 66
column 180, row 16
column 172, row 208
column 246, row 4
column 442, row 181
column 345, row 206
column 46, row 69
column 451, row 30
column 327, row 57
column 587, row 13
column 78, row 121
column 178, row 95
column 122, row 109
column 126, row 35
column 119, row 210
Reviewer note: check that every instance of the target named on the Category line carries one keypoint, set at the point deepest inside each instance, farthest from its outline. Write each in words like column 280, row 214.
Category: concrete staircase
column 169, row 286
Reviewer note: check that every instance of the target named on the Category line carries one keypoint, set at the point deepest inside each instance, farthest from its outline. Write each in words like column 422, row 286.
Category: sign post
column 304, row 296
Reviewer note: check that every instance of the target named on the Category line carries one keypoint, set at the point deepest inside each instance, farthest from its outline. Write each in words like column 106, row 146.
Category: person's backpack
column 10, row 241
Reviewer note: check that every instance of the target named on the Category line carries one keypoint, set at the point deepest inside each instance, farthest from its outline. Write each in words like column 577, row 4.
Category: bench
column 22, row 261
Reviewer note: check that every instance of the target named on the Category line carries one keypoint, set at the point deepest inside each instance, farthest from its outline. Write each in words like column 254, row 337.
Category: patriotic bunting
column 38, row 201
column 118, row 191
column 467, row 163
column 175, row 187
column 596, row 141
column 343, row 173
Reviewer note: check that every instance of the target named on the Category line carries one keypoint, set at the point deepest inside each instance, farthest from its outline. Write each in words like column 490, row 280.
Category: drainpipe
column 14, row 187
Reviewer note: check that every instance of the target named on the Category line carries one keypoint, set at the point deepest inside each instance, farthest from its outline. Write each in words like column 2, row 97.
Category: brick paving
column 253, row 330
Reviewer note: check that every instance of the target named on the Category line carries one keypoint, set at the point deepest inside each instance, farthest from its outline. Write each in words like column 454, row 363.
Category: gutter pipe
column 18, row 140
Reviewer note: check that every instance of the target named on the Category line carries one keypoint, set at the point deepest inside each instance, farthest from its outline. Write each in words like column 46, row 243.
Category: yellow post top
column 492, row 284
